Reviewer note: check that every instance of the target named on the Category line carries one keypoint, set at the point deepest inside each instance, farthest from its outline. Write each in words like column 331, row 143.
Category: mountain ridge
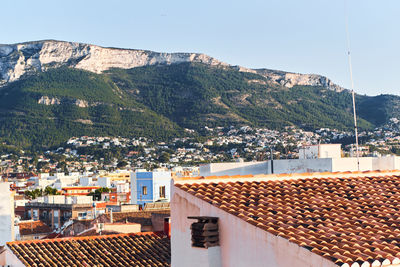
column 19, row 59
column 53, row 97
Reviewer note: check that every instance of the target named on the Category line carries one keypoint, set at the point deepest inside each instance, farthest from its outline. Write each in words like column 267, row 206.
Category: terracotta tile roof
column 53, row 235
column 142, row 217
column 146, row 249
column 348, row 218
column 33, row 228
column 93, row 232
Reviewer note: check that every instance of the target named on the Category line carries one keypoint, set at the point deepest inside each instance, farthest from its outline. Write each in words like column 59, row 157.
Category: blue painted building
column 148, row 187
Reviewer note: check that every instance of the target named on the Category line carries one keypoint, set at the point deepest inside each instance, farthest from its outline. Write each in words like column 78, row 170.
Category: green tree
column 50, row 191
column 32, row 194
column 164, row 158
column 97, row 193
column 122, row 164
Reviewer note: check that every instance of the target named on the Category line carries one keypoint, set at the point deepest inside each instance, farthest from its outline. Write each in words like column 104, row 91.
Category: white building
column 320, row 151
column 148, row 187
column 6, row 214
column 318, row 158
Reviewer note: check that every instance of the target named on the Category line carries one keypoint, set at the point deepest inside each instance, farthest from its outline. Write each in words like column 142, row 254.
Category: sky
column 307, row 36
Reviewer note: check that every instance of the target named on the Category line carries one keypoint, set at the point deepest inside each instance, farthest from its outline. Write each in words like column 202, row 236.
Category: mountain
column 52, row 90
column 17, row 60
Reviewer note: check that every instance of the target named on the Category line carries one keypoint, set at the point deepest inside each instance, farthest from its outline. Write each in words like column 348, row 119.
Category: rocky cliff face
column 289, row 79
column 25, row 58
column 19, row 59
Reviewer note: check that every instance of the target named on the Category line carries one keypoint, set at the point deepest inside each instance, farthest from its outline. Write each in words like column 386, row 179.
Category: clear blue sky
column 300, row 36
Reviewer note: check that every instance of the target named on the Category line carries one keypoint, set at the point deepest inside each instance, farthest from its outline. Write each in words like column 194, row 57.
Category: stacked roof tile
column 33, row 228
column 353, row 220
column 112, row 250
column 142, row 217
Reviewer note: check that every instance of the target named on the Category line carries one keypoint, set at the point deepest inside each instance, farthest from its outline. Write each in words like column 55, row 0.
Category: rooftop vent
column 204, row 232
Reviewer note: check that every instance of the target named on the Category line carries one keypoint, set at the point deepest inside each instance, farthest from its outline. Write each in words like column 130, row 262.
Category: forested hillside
column 47, row 108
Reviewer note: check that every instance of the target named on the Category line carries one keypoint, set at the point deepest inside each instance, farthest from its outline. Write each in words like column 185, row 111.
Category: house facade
column 148, row 187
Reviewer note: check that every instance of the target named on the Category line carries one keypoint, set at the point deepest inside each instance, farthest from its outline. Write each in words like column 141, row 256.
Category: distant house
column 56, row 210
column 29, row 230
column 78, row 190
column 148, row 187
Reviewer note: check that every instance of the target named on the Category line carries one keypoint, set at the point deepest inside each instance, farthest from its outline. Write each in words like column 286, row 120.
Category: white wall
column 161, row 179
column 350, row 164
column 133, row 188
column 301, row 165
column 233, row 168
column 104, row 181
column 85, row 181
column 386, row 163
column 82, row 199
column 320, row 151
column 241, row 244
column 308, row 152
column 122, row 187
column 12, row 260
column 6, row 214
column 56, row 199
column 43, row 183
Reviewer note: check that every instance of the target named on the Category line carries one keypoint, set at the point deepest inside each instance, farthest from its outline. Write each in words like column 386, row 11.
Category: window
column 144, row 190
column 82, row 215
column 162, row 191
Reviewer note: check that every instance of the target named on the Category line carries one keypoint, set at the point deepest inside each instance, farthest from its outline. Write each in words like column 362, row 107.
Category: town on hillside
column 92, row 189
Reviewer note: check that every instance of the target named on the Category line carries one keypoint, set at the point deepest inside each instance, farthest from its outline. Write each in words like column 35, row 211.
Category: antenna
column 352, row 87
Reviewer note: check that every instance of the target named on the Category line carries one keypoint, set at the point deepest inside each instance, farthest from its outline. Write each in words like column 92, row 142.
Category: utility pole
column 272, row 160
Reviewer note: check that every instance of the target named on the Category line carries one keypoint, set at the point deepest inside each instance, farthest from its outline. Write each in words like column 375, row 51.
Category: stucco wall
column 12, row 260
column 233, row 168
column 157, row 221
column 241, row 243
column 123, row 227
column 320, row 151
column 3, row 257
column 6, row 214
column 161, row 179
column 397, row 163
column 302, row 165
column 350, row 164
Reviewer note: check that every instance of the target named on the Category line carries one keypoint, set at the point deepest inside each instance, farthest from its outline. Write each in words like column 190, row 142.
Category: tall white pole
column 352, row 91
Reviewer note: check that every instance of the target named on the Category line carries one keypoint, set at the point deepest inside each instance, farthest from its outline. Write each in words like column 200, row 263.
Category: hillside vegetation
column 110, row 112
column 159, row 101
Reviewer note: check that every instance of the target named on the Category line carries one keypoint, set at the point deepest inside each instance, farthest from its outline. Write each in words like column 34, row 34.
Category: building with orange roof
column 309, row 219
column 140, row 249
column 28, row 230
column 78, row 190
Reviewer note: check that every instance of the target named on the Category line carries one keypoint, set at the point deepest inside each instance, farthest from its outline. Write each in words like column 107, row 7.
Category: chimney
column 111, row 216
column 167, row 227
column 205, row 234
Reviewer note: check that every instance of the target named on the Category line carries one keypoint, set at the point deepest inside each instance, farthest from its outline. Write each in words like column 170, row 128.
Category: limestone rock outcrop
column 17, row 60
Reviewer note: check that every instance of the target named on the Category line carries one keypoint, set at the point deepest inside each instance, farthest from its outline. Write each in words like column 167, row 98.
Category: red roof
column 345, row 217
column 80, row 187
column 141, row 249
column 33, row 228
